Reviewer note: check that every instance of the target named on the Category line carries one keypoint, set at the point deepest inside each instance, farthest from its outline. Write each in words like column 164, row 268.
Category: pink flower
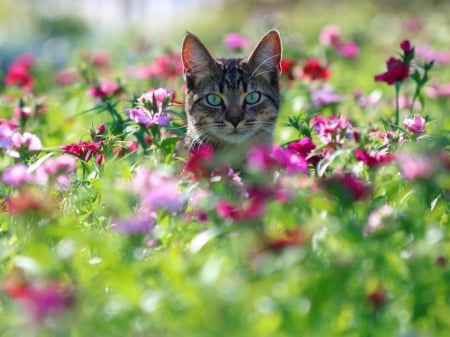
column 304, row 147
column 416, row 124
column 84, row 150
column 289, row 160
column 152, row 108
column 236, row 42
column 28, row 141
column 438, row 90
column 330, row 36
column 415, row 167
column 16, row 175
column 200, row 161
column 105, row 89
column 66, row 77
column 139, row 224
column 440, row 57
column 333, row 129
column 6, row 133
column 348, row 50
column 367, row 101
column 19, row 73
column 376, row 219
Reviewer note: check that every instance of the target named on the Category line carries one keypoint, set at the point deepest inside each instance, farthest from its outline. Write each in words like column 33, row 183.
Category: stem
column 397, row 110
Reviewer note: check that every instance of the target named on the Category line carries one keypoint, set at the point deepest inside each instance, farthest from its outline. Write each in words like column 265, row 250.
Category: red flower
column 378, row 297
column 83, row 150
column 313, row 70
column 304, row 147
column 287, row 68
column 373, row 160
column 19, row 73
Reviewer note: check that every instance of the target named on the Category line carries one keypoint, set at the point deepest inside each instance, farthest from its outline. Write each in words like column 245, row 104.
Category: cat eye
column 213, row 99
column 253, row 97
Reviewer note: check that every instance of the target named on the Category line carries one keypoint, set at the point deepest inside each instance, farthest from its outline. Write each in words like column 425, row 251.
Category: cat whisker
column 263, row 62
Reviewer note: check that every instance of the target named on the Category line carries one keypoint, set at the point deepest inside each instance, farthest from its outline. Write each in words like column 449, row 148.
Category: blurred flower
column 98, row 58
column 348, row 50
column 413, row 166
column 18, row 73
column 287, row 68
column 138, row 224
column 26, row 141
column 398, row 69
column 253, row 207
column 39, row 299
column 330, row 36
column 346, row 187
column 438, row 90
column 26, row 200
column 200, row 161
column 263, row 158
column 235, row 42
column 367, row 101
column 416, row 124
column 378, row 297
column 440, row 57
column 376, row 219
column 290, row 238
column 6, row 133
column 167, row 66
column 324, row 95
column 57, row 170
column 16, row 175
column 373, row 159
column 314, row 70
column 66, row 77
column 105, row 89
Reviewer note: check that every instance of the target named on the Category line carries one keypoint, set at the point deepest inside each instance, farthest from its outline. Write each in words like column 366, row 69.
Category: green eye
column 253, row 97
column 213, row 99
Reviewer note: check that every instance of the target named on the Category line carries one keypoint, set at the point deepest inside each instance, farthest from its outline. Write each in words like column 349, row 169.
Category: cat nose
column 234, row 116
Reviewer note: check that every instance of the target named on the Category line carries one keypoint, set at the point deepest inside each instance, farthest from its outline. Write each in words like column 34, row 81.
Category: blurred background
column 55, row 28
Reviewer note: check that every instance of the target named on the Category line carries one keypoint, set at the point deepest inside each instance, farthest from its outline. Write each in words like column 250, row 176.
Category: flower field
column 109, row 228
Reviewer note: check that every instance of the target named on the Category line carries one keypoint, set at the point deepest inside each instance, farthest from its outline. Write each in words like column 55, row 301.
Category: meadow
column 340, row 229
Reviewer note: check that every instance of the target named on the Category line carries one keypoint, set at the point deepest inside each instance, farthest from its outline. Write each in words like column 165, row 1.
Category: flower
column 330, row 36
column 200, row 161
column 83, row 150
column 262, row 158
column 333, row 129
column 16, row 175
column 324, row 95
column 6, row 133
column 376, row 219
column 235, row 42
column 105, row 89
column 398, row 69
column 348, row 50
column 27, row 141
column 438, row 90
column 314, row 70
column 138, row 224
column 304, row 147
column 165, row 66
column 287, row 68
column 413, row 167
column 373, row 159
column 347, row 187
column 39, row 299
column 290, row 238
column 152, row 107
column 19, row 73
column 416, row 124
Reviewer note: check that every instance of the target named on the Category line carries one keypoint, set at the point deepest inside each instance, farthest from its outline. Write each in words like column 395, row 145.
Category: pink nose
column 234, row 115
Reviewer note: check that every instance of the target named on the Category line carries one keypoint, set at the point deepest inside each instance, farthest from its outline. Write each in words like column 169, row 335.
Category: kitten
column 231, row 103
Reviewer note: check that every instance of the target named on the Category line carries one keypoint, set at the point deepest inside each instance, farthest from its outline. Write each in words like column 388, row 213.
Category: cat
column 231, row 103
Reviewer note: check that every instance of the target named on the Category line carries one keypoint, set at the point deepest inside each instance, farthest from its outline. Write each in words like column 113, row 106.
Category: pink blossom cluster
column 12, row 141
column 152, row 108
column 330, row 36
column 19, row 73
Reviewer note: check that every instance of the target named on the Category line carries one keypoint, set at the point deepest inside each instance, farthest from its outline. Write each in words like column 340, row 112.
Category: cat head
column 231, row 101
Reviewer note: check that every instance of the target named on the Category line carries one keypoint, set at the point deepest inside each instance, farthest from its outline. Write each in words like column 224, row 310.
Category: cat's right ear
column 197, row 61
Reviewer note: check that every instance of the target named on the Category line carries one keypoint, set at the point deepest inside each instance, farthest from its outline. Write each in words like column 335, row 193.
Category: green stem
column 397, row 110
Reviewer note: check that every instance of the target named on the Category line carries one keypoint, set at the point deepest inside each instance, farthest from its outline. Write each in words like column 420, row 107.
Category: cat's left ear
column 267, row 53
column 197, row 61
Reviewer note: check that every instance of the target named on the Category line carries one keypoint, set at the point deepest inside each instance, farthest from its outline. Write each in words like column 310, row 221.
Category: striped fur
column 237, row 122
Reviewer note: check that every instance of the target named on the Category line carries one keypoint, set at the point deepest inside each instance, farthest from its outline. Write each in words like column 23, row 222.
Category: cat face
column 231, row 101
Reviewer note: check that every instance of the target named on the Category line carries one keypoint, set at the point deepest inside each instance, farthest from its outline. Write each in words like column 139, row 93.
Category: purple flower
column 236, row 42
column 16, row 175
column 152, row 107
column 324, row 95
column 416, row 124
column 6, row 134
column 139, row 224
column 147, row 118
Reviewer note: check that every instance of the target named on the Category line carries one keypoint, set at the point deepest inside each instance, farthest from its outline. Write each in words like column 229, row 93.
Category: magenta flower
column 19, row 73
column 261, row 158
column 236, row 42
column 105, row 89
column 333, row 129
column 349, row 50
column 16, row 175
column 346, row 187
column 304, row 148
column 438, row 90
column 373, row 159
column 416, row 124
column 152, row 108
column 83, row 150
column 398, row 69
column 200, row 161
column 39, row 300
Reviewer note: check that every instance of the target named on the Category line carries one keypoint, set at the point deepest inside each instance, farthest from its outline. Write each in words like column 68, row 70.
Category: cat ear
column 196, row 58
column 266, row 56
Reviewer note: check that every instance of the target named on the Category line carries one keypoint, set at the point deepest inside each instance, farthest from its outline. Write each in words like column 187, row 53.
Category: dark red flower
column 373, row 160
column 378, row 297
column 287, row 68
column 397, row 71
column 83, row 150
column 314, row 70
column 347, row 187
column 303, row 147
